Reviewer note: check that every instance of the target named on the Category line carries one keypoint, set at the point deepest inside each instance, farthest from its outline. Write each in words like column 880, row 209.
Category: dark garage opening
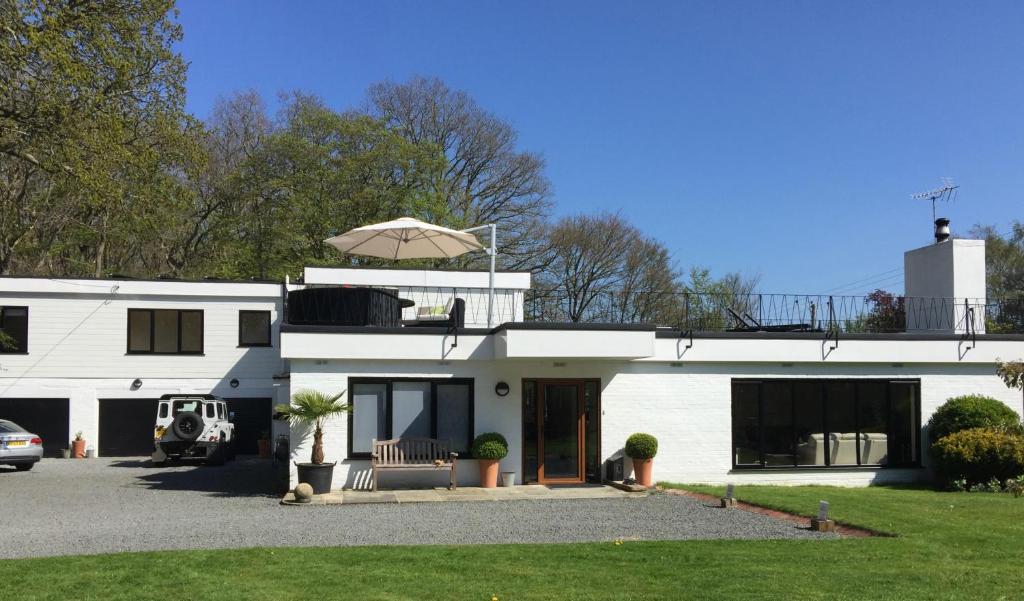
column 46, row 417
column 252, row 418
column 126, row 427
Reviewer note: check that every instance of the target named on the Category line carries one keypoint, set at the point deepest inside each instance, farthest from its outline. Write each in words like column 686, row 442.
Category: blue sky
column 780, row 138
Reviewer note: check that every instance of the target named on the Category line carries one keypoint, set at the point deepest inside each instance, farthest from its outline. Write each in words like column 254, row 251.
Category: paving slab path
column 67, row 507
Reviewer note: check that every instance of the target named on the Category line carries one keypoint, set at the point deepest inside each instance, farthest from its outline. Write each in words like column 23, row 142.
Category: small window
column 211, row 411
column 254, row 328
column 14, row 325
column 163, row 410
column 220, row 410
column 165, row 331
column 186, row 406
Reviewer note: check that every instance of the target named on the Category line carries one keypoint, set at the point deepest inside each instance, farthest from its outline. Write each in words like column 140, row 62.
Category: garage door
column 126, row 427
column 252, row 418
column 46, row 417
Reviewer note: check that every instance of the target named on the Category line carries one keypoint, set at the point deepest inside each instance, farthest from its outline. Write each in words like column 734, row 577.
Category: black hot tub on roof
column 338, row 306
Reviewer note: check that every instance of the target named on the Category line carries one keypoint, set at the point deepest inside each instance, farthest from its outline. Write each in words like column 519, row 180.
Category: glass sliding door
column 561, row 431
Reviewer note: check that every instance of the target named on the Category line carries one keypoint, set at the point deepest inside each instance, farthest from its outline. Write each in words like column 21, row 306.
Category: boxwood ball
column 303, row 492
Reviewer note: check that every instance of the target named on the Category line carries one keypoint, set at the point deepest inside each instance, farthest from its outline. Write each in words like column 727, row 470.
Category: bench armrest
column 453, row 455
column 374, row 456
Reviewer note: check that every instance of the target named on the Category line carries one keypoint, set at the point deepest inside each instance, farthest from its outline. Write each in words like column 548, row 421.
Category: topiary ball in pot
column 971, row 411
column 488, row 449
column 642, row 448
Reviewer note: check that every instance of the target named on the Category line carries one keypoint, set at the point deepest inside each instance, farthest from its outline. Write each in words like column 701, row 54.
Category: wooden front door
column 561, row 435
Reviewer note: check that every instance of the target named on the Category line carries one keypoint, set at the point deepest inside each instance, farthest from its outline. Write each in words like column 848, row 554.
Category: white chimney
column 943, row 282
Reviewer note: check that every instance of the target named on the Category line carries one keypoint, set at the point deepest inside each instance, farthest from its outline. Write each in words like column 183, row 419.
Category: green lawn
column 948, row 546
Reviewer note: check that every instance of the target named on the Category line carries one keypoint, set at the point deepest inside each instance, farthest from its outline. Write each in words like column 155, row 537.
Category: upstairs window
column 14, row 325
column 165, row 331
column 254, row 328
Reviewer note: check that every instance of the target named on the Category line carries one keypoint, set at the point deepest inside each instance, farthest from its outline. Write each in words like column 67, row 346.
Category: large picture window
column 825, row 423
column 165, row 331
column 14, row 325
column 383, row 409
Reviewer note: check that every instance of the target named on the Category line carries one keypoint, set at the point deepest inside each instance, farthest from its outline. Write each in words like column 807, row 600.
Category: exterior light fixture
column 501, row 389
column 136, row 384
column 822, row 523
column 234, row 382
column 729, row 501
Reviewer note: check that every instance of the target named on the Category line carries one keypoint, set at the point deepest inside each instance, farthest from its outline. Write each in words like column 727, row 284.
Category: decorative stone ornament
column 303, row 493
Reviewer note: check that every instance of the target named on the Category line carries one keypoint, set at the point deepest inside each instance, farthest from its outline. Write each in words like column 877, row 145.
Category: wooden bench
column 413, row 454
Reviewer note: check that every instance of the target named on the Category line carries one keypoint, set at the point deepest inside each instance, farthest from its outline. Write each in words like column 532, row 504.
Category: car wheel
column 219, row 454
column 24, row 467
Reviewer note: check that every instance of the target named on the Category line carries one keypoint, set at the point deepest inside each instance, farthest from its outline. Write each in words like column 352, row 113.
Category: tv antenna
column 946, row 193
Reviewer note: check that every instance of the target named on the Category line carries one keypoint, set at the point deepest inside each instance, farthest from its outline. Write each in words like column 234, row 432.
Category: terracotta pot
column 488, row 473
column 643, row 471
column 264, row 446
column 78, row 449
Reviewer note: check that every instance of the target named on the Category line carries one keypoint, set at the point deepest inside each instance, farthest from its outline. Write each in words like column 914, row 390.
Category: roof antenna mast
column 946, row 192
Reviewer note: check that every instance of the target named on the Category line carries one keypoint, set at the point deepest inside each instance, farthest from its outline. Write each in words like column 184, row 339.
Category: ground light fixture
column 822, row 523
column 136, row 383
column 729, row 500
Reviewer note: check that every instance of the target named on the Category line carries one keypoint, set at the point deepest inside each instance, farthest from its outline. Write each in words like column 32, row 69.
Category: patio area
column 466, row 494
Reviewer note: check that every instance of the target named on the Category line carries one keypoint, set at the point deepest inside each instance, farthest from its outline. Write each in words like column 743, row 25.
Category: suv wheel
column 219, row 454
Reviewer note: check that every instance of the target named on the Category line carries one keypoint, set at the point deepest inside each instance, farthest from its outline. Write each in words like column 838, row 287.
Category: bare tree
column 601, row 268
column 487, row 179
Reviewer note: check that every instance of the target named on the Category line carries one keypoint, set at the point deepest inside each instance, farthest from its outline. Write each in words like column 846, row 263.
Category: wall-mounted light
column 501, row 389
column 136, row 384
column 234, row 382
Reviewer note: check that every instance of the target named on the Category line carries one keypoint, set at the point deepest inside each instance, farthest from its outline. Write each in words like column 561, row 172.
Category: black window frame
column 152, row 332
column 824, row 382
column 270, row 329
column 22, row 348
column 389, row 407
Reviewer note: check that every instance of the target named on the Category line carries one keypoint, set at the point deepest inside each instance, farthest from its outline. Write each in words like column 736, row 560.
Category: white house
column 94, row 355
column 782, row 389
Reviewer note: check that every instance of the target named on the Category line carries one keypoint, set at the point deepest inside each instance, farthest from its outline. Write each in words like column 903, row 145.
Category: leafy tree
column 487, row 178
column 91, row 125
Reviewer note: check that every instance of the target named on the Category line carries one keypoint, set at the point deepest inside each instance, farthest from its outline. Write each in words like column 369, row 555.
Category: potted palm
column 488, row 449
column 314, row 408
column 642, row 448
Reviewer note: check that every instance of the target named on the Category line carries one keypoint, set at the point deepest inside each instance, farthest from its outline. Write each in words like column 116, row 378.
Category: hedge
column 978, row 455
column 971, row 411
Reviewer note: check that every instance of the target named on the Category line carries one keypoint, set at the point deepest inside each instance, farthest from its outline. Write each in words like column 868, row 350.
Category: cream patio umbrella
column 408, row 238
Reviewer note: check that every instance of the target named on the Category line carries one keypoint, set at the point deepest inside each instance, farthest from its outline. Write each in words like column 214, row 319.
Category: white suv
column 193, row 425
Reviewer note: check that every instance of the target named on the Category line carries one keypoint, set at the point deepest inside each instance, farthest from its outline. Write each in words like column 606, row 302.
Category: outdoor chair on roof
column 749, row 324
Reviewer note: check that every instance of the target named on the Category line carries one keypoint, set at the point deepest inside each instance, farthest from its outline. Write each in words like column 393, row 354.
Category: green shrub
column 971, row 411
column 641, row 446
column 980, row 455
column 490, row 445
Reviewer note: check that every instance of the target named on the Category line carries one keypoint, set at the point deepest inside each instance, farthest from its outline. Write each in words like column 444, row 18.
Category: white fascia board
column 73, row 287
column 419, row 347
column 774, row 350
column 425, row 278
column 574, row 344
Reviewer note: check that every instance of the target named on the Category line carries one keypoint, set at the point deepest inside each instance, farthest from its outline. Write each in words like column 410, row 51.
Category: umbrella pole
column 492, row 229
column 490, row 282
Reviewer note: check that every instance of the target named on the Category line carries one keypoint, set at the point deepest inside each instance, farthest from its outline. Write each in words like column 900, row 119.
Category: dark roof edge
column 936, row 336
column 578, row 327
column 412, row 268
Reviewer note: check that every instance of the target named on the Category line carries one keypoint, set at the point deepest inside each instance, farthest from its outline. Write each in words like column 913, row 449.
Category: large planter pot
column 643, row 472
column 78, row 449
column 264, row 447
column 488, row 473
column 317, row 475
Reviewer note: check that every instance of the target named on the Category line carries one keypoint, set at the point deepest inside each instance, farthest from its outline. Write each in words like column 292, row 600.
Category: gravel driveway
column 107, row 505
